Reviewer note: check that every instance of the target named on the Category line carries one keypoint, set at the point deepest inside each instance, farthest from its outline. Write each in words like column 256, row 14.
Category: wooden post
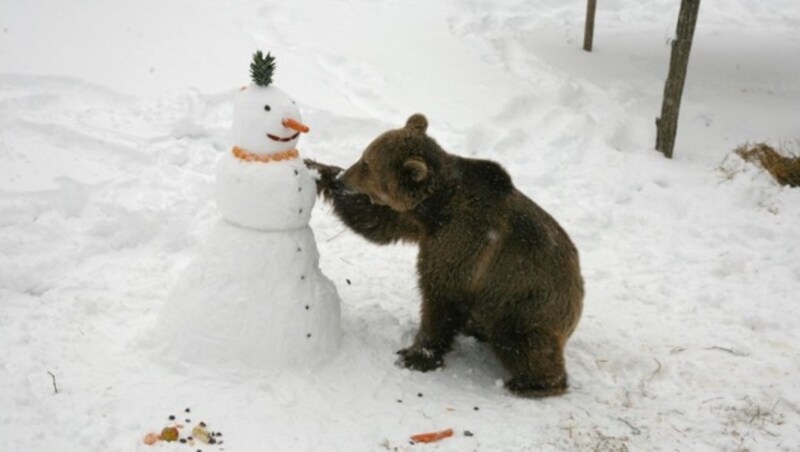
column 667, row 123
column 588, row 32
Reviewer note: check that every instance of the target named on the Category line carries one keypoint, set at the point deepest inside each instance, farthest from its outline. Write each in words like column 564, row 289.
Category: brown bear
column 491, row 263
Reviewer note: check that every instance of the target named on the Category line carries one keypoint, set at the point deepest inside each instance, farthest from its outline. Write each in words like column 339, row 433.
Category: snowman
column 254, row 295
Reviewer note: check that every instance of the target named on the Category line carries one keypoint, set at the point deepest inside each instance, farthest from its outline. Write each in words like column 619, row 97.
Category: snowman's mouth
column 283, row 140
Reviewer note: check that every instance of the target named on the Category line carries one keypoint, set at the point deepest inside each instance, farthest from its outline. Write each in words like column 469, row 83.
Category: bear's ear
column 417, row 122
column 416, row 169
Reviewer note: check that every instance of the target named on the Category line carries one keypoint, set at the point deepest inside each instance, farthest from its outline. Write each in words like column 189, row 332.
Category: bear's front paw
column 325, row 171
column 419, row 358
column 328, row 175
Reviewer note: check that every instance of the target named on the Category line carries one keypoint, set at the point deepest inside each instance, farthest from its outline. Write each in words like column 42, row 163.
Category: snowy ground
column 113, row 114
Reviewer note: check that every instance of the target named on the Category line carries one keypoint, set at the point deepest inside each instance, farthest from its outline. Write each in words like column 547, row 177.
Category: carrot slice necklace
column 248, row 156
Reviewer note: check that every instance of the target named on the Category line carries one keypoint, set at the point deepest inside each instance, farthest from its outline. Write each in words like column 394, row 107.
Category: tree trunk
column 667, row 124
column 588, row 32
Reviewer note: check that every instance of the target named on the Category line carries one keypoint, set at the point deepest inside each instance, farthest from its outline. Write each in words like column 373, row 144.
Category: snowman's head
column 266, row 120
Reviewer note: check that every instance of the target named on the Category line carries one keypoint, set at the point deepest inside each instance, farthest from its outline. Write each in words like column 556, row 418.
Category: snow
column 112, row 124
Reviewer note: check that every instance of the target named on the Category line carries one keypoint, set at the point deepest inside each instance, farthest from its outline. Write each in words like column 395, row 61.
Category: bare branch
column 55, row 386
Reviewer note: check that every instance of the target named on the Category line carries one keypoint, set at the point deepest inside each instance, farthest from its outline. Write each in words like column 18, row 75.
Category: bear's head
column 400, row 168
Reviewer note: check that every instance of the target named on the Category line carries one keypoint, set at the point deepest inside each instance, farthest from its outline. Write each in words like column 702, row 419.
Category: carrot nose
column 295, row 125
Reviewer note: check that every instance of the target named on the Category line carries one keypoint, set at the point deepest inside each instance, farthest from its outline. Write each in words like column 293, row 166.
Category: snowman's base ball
column 250, row 299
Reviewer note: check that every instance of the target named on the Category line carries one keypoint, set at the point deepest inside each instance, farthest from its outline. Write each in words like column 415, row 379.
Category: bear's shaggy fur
column 491, row 264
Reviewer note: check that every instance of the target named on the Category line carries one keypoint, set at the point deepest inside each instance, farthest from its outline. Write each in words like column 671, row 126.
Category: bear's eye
column 267, row 108
column 364, row 166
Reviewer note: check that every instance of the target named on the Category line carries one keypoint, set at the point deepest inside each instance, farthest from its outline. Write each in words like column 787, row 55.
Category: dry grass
column 785, row 169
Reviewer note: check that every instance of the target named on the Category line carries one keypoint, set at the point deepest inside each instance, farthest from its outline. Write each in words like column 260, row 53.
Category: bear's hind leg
column 536, row 363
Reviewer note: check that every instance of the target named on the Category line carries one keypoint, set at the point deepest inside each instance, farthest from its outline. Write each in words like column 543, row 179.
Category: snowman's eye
column 267, row 108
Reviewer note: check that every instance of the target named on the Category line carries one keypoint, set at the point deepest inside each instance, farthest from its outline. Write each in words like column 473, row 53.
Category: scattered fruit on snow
column 170, row 434
column 200, row 432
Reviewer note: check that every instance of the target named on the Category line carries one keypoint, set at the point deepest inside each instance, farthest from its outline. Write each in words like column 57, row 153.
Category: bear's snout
column 353, row 181
column 349, row 181
column 344, row 185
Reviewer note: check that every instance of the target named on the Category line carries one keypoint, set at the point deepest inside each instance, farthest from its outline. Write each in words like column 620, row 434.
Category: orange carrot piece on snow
column 432, row 437
column 151, row 438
